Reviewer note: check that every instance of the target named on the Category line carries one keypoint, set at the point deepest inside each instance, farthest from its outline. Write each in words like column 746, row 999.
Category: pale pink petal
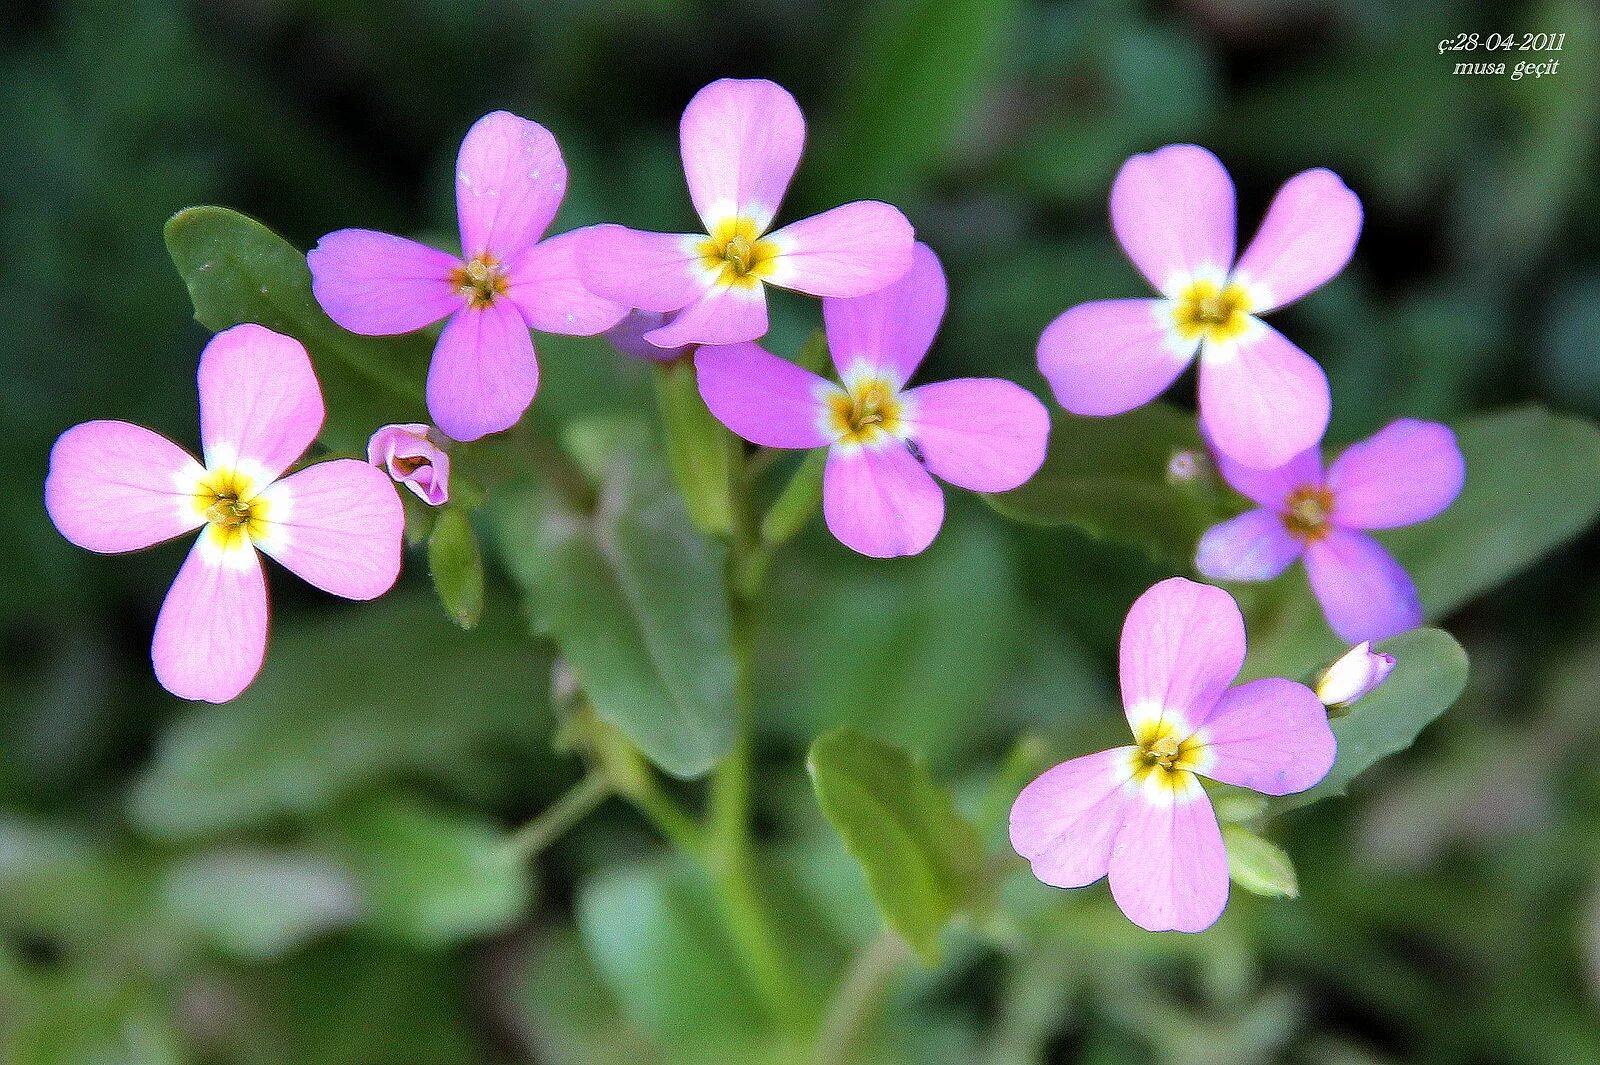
column 880, row 501
column 1270, row 487
column 1169, row 869
column 1182, row 645
column 378, row 285
column 484, row 372
column 628, row 336
column 1270, row 736
column 741, row 142
column 1173, row 211
column 727, row 314
column 1064, row 822
column 115, row 487
column 853, row 250
column 894, row 327
column 259, row 400
column 510, row 178
column 980, row 433
column 765, row 399
column 1364, row 592
column 211, row 634
column 1407, row 472
column 1262, row 400
column 1111, row 356
column 338, row 526
column 1307, row 237
column 1254, row 546
column 650, row 271
column 547, row 287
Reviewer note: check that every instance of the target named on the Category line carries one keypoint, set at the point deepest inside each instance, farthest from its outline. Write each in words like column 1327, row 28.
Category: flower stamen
column 1307, row 513
column 481, row 280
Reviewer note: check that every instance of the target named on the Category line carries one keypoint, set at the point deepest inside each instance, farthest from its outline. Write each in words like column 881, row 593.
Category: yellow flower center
column 229, row 501
column 736, row 254
column 865, row 409
column 1306, row 513
column 1212, row 311
column 481, row 280
column 1165, row 755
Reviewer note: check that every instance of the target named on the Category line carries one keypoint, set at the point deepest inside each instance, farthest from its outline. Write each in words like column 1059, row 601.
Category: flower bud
column 1353, row 676
column 1187, row 466
column 411, row 457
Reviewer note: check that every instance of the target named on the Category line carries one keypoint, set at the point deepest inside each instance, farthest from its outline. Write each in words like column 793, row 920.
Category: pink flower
column 1139, row 814
column 413, row 460
column 1407, row 472
column 117, row 487
column 510, row 178
column 741, row 143
column 1355, row 675
column 1262, row 399
column 980, row 433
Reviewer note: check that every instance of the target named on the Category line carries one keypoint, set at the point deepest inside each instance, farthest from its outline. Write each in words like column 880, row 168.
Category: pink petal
column 1407, row 472
column 1252, row 547
column 980, row 433
column 741, row 142
column 1169, row 869
column 259, row 400
column 430, row 482
column 1182, row 645
column 1262, row 400
column 628, row 337
column 547, row 287
column 1270, row 736
column 510, row 178
column 1173, row 211
column 338, row 526
column 724, row 315
column 1270, row 487
column 1307, row 237
column 894, row 327
column 119, row 487
column 377, row 285
column 1111, row 356
column 879, row 501
column 765, row 399
column 211, row 634
column 1364, row 592
column 484, row 372
column 853, row 250
column 650, row 271
column 1064, row 822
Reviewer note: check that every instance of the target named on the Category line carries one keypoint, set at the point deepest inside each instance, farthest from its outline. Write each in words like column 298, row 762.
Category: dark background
column 273, row 881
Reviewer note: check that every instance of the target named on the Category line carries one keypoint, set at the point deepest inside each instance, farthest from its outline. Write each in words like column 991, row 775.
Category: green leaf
column 428, row 878
column 375, row 691
column 1430, row 673
column 923, row 860
column 457, row 567
column 700, row 450
column 1108, row 477
column 658, row 940
column 1259, row 866
column 238, row 270
column 634, row 597
column 257, row 905
column 798, row 502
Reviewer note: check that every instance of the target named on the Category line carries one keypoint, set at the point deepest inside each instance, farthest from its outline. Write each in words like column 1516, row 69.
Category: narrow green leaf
column 634, row 597
column 923, row 860
column 1109, row 478
column 813, row 354
column 1430, row 672
column 798, row 502
column 1258, row 865
column 701, row 451
column 457, row 567
column 238, row 270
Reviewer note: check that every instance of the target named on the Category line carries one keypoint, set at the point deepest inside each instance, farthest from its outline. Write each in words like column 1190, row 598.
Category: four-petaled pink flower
column 979, row 433
column 117, row 487
column 1139, row 814
column 510, row 178
column 741, row 142
column 1262, row 399
column 413, row 459
column 1407, row 472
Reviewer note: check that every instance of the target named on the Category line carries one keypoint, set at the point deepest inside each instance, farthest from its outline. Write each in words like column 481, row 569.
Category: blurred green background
column 313, row 873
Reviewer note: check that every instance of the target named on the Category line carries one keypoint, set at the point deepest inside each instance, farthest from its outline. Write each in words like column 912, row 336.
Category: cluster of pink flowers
column 1138, row 813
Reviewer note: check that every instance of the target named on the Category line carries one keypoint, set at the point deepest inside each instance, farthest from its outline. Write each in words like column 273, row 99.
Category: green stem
column 567, row 811
column 857, row 998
